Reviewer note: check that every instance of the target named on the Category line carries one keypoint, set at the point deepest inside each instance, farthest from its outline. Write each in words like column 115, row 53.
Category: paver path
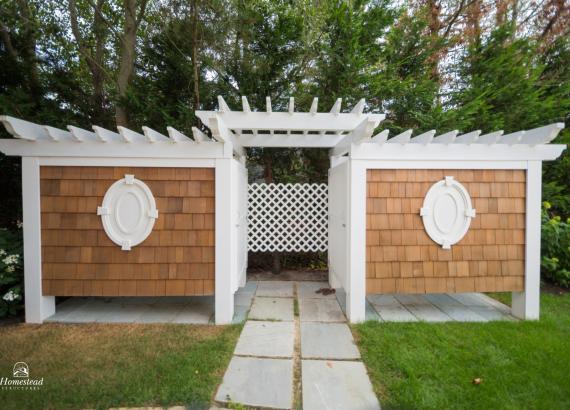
column 286, row 360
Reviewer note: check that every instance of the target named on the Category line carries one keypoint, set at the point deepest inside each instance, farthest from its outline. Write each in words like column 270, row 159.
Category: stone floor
column 280, row 352
column 460, row 307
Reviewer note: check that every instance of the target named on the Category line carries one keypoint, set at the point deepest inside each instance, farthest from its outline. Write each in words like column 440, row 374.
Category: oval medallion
column 128, row 212
column 447, row 212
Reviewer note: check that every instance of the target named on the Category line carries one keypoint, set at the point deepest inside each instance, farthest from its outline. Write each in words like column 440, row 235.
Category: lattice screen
column 287, row 217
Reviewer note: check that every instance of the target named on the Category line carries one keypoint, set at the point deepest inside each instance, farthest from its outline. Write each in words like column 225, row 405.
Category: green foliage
column 11, row 273
column 555, row 260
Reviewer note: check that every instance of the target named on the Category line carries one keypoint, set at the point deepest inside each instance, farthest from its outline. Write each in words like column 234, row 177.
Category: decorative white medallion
column 128, row 212
column 447, row 212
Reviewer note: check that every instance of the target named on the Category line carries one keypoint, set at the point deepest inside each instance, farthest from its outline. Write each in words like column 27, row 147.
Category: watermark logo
column 20, row 379
column 21, row 369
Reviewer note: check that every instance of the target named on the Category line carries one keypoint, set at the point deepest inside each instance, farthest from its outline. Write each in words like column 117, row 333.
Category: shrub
column 11, row 272
column 555, row 259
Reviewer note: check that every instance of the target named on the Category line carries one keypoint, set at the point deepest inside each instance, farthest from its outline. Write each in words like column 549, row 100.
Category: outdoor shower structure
column 144, row 214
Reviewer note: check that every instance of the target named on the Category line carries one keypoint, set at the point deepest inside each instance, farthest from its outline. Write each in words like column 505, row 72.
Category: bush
column 11, row 272
column 555, row 259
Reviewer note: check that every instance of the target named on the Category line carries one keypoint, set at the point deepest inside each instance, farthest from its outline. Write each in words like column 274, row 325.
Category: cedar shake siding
column 400, row 256
column 78, row 259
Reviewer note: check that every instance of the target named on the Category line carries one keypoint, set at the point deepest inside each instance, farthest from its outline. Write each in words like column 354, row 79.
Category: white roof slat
column 25, row 130
column 245, row 104
column 359, row 107
column 490, row 138
column 402, row 138
column 130, row 135
column 291, row 105
column 542, row 135
column 107, row 136
column 82, row 135
column 337, row 106
column 468, row 138
column 177, row 136
column 154, row 136
column 198, row 135
column 381, row 137
column 364, row 131
column 447, row 138
column 268, row 108
column 424, row 138
column 222, row 106
column 314, row 106
column 511, row 139
column 59, row 135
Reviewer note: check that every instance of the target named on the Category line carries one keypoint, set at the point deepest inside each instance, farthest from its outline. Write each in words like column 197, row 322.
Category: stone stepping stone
column 268, row 339
column 383, row 300
column 395, row 314
column 470, row 299
column 320, row 310
column 276, row 289
column 307, row 290
column 258, row 382
column 271, row 309
column 327, row 341
column 413, row 300
column 329, row 384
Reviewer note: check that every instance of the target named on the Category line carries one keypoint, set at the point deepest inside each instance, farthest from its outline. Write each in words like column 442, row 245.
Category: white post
column 224, row 297
column 38, row 307
column 526, row 305
column 356, row 292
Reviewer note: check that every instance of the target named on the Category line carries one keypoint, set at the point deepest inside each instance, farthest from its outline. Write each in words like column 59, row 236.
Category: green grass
column 99, row 366
column 523, row 365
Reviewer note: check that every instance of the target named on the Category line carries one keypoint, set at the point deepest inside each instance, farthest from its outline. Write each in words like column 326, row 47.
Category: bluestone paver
column 271, row 309
column 395, row 314
column 194, row 314
column 266, row 339
column 327, row 341
column 329, row 384
column 258, row 382
column 320, row 310
column 281, row 289
column 308, row 290
column 160, row 313
column 428, row 313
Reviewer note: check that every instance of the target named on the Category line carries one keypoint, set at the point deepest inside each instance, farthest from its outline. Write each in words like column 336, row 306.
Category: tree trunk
column 195, row 63
column 127, row 60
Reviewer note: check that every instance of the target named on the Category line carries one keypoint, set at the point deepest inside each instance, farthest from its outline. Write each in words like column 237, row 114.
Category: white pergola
column 354, row 148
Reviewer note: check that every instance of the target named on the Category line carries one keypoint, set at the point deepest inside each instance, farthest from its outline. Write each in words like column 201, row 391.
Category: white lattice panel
column 287, row 217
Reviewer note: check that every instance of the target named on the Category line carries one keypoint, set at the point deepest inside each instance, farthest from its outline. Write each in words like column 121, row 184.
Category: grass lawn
column 432, row 366
column 88, row 366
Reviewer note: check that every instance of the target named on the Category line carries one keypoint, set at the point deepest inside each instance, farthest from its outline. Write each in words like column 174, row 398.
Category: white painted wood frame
column 38, row 307
column 526, row 305
column 224, row 262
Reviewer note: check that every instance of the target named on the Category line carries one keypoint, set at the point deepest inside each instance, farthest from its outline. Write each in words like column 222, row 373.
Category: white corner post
column 526, row 305
column 224, row 294
column 356, row 292
column 38, row 307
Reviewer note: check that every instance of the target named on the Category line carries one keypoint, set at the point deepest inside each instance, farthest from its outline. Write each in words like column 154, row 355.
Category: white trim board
column 159, row 149
column 441, row 152
column 441, row 164
column 127, row 162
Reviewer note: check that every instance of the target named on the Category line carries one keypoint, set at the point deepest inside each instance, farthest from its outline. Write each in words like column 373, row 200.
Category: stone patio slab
column 250, row 287
column 395, row 314
column 320, row 310
column 428, row 313
column 160, row 313
column 243, row 299
column 327, row 341
column 271, row 309
column 339, row 385
column 266, row 339
column 258, row 382
column 462, row 314
column 470, row 299
column 240, row 314
column 308, row 290
column 128, row 313
column 276, row 289
column 413, row 300
column 370, row 313
column 383, row 300
column 195, row 314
